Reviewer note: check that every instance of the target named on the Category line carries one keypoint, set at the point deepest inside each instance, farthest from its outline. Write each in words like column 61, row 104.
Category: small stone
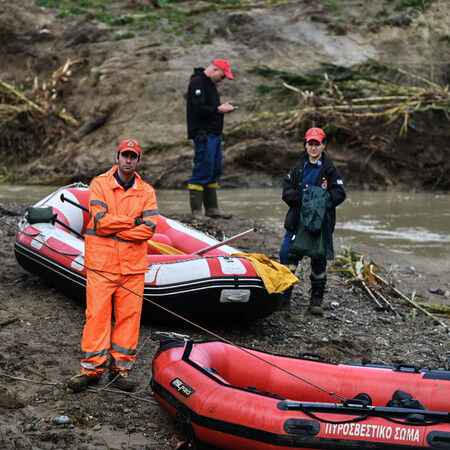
column 425, row 350
column 436, row 290
column 61, row 420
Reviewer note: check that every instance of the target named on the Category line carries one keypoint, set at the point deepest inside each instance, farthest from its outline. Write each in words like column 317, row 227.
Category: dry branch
column 412, row 302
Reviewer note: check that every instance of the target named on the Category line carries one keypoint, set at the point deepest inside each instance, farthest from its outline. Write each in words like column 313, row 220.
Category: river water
column 413, row 223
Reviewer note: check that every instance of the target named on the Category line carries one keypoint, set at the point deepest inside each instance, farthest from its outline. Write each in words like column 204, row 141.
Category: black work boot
column 195, row 200
column 122, row 382
column 211, row 207
column 315, row 302
column 81, row 381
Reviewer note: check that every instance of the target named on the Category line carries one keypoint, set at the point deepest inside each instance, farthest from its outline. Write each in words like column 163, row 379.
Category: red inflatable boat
column 208, row 286
column 240, row 398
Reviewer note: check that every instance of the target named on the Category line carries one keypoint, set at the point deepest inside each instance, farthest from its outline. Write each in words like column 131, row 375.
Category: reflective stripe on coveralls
column 97, row 339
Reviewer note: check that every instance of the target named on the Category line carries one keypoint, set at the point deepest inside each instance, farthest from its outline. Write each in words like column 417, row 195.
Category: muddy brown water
column 412, row 223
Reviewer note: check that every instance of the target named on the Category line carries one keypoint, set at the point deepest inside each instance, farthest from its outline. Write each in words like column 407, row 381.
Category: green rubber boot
column 210, row 202
column 196, row 200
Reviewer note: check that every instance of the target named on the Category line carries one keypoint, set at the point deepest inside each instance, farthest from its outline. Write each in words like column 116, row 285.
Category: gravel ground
column 40, row 349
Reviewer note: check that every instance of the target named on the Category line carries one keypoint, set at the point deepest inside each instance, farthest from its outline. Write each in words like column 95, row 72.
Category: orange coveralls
column 116, row 251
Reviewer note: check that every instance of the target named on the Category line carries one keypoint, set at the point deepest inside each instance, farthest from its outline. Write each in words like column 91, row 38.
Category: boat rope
column 195, row 325
column 46, row 244
column 89, row 388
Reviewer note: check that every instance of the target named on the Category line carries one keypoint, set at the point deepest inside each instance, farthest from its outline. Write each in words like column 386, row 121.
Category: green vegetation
column 370, row 89
column 382, row 13
column 126, row 35
column 333, row 6
column 168, row 16
column 97, row 77
column 136, row 18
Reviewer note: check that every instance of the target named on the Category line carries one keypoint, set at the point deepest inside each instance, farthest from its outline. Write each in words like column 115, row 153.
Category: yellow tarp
column 276, row 277
column 165, row 249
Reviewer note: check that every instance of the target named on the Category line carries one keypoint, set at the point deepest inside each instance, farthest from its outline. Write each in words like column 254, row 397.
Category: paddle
column 65, row 199
column 226, row 241
column 54, row 219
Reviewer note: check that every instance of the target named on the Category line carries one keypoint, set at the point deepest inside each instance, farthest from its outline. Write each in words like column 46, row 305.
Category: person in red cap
column 205, row 117
column 314, row 169
column 123, row 216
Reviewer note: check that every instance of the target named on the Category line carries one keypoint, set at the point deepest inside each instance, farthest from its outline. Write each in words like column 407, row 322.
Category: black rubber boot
column 211, row 207
column 315, row 302
column 285, row 303
column 195, row 200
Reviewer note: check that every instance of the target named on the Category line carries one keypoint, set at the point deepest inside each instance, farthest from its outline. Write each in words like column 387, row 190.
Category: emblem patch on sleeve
column 198, row 92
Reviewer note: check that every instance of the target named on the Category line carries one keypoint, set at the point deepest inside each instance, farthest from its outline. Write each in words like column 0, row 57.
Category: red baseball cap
column 130, row 146
column 225, row 66
column 315, row 134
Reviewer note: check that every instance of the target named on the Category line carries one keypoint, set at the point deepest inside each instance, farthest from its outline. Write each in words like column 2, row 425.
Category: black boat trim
column 281, row 440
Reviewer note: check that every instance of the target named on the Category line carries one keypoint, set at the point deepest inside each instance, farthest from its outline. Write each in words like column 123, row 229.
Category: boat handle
column 399, row 367
column 436, row 438
column 415, row 418
column 306, row 355
column 349, row 402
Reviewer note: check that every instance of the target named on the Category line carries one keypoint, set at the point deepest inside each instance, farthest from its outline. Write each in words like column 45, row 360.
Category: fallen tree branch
column 371, row 294
column 412, row 302
column 386, row 301
column 21, row 96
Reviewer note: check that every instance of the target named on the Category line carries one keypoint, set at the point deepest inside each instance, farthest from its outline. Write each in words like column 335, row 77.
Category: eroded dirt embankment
column 98, row 89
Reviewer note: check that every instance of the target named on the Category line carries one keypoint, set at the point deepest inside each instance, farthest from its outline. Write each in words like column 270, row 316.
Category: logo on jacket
column 324, row 184
column 198, row 91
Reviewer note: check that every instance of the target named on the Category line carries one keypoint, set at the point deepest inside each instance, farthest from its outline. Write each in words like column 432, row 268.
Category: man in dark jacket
column 315, row 169
column 204, row 125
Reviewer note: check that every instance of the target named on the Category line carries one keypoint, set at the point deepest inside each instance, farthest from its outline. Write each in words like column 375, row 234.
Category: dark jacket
column 314, row 235
column 201, row 107
column 329, row 178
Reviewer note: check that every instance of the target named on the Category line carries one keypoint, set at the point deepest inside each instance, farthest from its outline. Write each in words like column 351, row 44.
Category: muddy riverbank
column 40, row 349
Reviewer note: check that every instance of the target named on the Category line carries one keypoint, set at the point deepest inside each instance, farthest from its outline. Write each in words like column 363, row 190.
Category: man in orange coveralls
column 123, row 215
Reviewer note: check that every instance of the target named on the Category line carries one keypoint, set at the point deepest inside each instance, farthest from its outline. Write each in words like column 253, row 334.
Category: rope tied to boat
column 46, row 244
